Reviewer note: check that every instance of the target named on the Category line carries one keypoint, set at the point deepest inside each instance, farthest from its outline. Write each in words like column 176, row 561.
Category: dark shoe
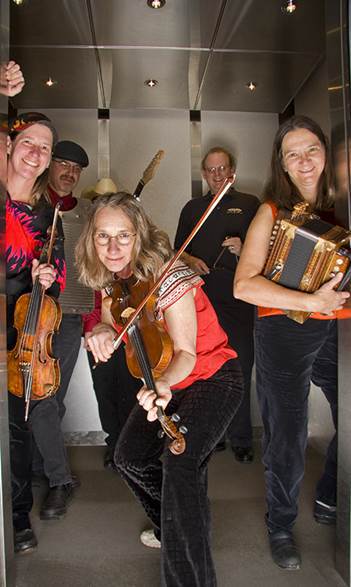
column 284, row 551
column 243, row 454
column 56, row 502
column 220, row 446
column 109, row 463
column 324, row 513
column 25, row 540
column 75, row 481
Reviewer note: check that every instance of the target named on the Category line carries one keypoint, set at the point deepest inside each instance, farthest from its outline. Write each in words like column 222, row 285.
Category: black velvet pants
column 115, row 389
column 173, row 488
column 288, row 357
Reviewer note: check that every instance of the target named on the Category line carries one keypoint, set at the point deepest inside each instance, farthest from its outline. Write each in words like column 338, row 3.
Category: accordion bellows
column 306, row 252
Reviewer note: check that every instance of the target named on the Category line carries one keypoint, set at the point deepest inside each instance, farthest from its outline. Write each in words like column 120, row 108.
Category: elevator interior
column 239, row 65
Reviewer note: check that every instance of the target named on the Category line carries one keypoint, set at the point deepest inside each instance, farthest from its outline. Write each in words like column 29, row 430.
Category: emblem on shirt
column 234, row 211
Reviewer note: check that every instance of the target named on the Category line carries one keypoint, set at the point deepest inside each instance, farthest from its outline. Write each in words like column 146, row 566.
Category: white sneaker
column 148, row 538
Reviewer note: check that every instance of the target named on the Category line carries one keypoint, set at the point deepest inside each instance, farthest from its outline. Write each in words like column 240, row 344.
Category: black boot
column 24, row 540
column 284, row 550
column 57, row 501
column 324, row 513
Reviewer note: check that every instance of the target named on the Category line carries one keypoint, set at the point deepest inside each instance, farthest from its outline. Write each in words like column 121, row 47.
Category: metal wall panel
column 338, row 52
column 7, row 570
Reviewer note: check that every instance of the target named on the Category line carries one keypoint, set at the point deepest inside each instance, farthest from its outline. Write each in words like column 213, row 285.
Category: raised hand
column 11, row 79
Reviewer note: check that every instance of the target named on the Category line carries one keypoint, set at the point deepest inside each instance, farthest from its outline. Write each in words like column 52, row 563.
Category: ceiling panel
column 202, row 52
column 75, row 72
column 262, row 25
column 50, row 22
column 133, row 23
column 132, row 67
column 278, row 78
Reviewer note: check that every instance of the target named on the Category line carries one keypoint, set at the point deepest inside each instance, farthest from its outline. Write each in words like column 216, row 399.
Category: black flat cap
column 70, row 151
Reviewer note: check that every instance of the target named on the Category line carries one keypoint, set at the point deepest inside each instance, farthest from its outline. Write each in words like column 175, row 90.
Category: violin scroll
column 177, row 444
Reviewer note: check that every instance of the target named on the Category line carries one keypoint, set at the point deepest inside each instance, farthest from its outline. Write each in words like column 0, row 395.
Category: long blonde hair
column 151, row 249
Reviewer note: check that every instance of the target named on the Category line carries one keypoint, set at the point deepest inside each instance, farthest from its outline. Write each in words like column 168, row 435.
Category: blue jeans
column 288, row 357
column 173, row 488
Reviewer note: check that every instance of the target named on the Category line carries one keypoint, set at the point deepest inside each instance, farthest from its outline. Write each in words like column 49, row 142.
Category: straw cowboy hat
column 103, row 187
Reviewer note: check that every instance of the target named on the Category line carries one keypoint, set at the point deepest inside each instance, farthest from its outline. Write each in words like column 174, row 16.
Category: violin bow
column 48, row 252
column 148, row 173
column 217, row 198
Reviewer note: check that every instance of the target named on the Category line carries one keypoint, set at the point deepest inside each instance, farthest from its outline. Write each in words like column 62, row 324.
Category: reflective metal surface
column 7, row 573
column 202, row 52
column 338, row 53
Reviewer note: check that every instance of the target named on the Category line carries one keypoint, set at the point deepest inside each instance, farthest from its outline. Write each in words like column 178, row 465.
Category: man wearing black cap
column 50, row 456
column 68, row 161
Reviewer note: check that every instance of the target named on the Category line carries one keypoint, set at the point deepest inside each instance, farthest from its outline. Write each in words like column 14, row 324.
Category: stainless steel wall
column 7, row 578
column 338, row 54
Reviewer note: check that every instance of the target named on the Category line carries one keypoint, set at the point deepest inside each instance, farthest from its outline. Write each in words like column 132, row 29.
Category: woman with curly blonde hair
column 202, row 383
column 151, row 246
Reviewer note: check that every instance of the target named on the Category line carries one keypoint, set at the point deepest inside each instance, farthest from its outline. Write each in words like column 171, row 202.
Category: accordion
column 305, row 253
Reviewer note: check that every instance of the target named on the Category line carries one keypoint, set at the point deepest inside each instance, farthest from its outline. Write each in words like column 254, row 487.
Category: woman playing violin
column 28, row 216
column 202, row 383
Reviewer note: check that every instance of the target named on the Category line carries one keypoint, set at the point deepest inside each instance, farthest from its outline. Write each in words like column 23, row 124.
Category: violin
column 149, row 348
column 227, row 183
column 33, row 373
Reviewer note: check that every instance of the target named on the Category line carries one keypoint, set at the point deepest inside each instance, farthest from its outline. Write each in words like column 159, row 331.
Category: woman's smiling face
column 303, row 159
column 114, row 236
column 30, row 152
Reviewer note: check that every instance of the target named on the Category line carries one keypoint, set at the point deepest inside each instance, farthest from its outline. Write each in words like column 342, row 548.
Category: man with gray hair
column 214, row 254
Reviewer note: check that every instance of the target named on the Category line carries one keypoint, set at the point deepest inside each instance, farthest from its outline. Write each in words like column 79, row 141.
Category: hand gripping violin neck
column 32, row 371
column 149, row 348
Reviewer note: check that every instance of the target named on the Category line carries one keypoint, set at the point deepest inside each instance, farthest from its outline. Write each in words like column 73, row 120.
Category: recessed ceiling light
column 50, row 82
column 19, row 2
column 151, row 82
column 289, row 7
column 156, row 3
column 251, row 86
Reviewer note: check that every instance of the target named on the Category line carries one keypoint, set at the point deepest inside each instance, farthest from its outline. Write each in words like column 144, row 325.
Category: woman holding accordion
column 290, row 355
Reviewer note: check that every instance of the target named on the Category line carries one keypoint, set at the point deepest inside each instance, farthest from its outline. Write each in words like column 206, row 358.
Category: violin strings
column 31, row 310
column 138, row 343
column 144, row 363
column 39, row 304
column 30, row 330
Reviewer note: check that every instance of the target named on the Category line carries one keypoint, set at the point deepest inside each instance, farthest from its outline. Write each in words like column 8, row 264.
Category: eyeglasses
column 67, row 165
column 123, row 238
column 218, row 169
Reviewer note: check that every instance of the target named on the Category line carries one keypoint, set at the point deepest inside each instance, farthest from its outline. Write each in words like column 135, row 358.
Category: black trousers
column 173, row 488
column 21, row 463
column 237, row 320
column 288, row 357
column 49, row 452
column 115, row 389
